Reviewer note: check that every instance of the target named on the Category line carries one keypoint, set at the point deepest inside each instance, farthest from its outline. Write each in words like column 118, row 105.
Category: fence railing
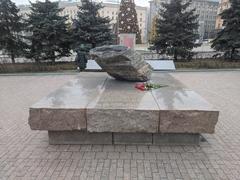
column 146, row 56
column 197, row 55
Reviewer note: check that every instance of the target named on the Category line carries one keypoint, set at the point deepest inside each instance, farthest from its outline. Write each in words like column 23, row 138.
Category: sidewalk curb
column 77, row 73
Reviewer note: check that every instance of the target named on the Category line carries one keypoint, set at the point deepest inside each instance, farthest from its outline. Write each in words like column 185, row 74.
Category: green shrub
column 36, row 67
column 207, row 64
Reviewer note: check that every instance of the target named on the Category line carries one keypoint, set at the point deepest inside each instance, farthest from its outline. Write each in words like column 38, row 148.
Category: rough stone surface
column 181, row 109
column 79, row 137
column 188, row 121
column 176, row 139
column 122, row 108
column 132, row 138
column 122, row 120
column 122, row 63
column 57, row 119
column 65, row 108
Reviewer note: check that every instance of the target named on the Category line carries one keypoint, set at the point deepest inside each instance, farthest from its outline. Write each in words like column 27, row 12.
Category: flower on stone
column 140, row 86
column 148, row 86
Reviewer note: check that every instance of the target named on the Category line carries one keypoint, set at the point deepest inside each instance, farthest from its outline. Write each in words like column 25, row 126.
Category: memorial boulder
column 122, row 63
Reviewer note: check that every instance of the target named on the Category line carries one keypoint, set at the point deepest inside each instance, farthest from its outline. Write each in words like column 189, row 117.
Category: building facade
column 206, row 9
column 111, row 10
column 224, row 4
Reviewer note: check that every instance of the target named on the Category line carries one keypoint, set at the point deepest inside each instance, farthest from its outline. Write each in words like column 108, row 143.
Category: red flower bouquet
column 148, row 86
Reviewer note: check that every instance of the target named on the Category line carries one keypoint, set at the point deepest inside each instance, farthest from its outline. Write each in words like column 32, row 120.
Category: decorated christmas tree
column 127, row 19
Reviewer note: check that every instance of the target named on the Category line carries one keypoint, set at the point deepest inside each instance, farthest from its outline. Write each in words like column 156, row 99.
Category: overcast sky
column 138, row 2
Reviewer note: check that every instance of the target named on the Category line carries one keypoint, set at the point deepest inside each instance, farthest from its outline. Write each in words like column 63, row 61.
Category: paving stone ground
column 26, row 154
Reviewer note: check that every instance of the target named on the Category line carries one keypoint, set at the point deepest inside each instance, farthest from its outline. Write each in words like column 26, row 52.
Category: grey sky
column 138, row 2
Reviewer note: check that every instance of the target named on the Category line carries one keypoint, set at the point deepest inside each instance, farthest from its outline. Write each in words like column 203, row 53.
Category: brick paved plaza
column 25, row 154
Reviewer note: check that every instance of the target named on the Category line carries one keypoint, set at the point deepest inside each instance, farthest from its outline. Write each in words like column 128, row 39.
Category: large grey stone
column 188, row 121
column 96, row 102
column 122, row 63
column 65, row 109
column 182, row 110
column 122, row 120
column 57, row 119
column 122, row 108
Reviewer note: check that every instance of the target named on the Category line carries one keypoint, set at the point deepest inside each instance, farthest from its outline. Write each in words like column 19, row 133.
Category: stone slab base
column 79, row 137
column 97, row 103
column 132, row 138
column 176, row 139
column 83, row 137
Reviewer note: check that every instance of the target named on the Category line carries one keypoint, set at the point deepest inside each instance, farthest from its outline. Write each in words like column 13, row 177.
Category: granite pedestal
column 96, row 109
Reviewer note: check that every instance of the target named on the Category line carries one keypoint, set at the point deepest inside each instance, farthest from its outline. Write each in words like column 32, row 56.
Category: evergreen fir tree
column 11, row 26
column 49, row 37
column 89, row 29
column 127, row 19
column 176, row 30
column 228, row 39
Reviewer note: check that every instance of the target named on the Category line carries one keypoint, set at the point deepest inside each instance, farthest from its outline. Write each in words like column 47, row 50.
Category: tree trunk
column 53, row 57
column 13, row 58
column 175, row 55
column 53, row 61
column 37, row 61
column 93, row 45
column 232, row 53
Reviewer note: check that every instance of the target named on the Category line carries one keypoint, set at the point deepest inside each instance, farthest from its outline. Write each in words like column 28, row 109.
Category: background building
column 206, row 9
column 111, row 10
column 224, row 4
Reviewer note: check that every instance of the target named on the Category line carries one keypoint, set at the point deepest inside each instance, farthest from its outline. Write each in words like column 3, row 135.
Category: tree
column 89, row 28
column 127, row 19
column 11, row 26
column 176, row 30
column 228, row 39
column 49, row 38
